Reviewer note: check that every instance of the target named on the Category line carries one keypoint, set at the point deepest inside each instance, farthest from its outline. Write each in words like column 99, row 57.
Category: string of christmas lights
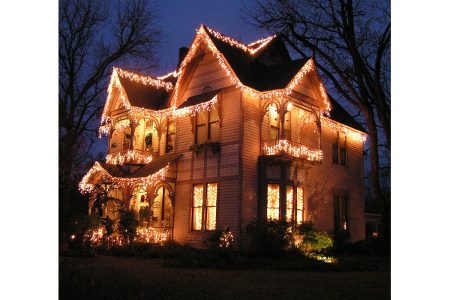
column 285, row 146
column 144, row 182
column 129, row 156
column 354, row 135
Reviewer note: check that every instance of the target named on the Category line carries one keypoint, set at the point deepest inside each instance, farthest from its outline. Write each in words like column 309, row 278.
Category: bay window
column 294, row 203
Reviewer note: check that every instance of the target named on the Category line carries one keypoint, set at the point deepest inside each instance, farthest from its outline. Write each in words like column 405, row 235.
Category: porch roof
column 138, row 170
column 197, row 99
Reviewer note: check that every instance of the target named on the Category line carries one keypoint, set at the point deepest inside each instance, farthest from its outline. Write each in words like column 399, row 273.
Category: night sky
column 181, row 19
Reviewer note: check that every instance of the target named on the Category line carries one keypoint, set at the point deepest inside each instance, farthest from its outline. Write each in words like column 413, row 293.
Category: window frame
column 295, row 207
column 339, row 149
column 208, row 124
column 171, row 136
column 275, row 123
column 204, row 208
column 340, row 212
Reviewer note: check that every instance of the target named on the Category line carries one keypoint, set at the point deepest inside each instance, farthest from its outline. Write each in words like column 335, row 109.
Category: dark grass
column 175, row 271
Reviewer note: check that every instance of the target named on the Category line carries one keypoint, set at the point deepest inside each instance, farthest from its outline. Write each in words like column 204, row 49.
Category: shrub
column 219, row 238
column 144, row 213
column 128, row 223
column 311, row 239
column 270, row 237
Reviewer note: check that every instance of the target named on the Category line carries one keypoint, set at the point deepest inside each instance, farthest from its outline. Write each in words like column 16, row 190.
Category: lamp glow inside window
column 273, row 201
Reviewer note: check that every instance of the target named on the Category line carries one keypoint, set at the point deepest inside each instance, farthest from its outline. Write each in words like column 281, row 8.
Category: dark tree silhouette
column 350, row 44
column 94, row 36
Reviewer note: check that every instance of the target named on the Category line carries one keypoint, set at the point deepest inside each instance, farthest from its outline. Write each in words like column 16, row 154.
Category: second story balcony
column 129, row 156
column 285, row 147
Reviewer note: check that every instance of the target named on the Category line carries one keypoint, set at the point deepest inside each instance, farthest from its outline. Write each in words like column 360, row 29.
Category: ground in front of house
column 97, row 277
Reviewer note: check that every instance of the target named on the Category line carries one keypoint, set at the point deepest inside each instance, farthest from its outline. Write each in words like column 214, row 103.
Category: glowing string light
column 129, row 156
column 351, row 133
column 285, row 146
column 145, row 182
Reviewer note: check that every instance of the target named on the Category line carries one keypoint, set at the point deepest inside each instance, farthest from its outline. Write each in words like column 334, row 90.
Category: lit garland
column 354, row 135
column 150, row 235
column 201, row 37
column 147, row 80
column 145, row 182
column 297, row 151
column 121, row 125
column 94, row 236
column 237, row 44
column 130, row 155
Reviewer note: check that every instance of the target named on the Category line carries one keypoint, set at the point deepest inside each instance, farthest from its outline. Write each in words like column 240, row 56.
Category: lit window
column 197, row 207
column 287, row 126
column 274, row 124
column 273, row 130
column 289, row 203
column 299, row 205
column 339, row 144
column 170, row 135
column 340, row 212
column 211, row 205
column 273, row 201
column 210, row 209
column 207, row 125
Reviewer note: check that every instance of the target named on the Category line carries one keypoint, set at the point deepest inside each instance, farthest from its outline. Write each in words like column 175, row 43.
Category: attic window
column 207, row 89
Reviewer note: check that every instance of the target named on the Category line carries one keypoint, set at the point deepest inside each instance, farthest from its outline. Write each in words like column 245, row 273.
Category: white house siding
column 208, row 73
column 304, row 87
column 250, row 152
column 321, row 180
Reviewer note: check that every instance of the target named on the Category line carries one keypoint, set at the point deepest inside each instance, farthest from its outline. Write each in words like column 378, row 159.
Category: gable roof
column 145, row 96
column 255, row 74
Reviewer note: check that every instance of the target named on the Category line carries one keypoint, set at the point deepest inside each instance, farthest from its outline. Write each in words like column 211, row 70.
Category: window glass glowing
column 273, row 201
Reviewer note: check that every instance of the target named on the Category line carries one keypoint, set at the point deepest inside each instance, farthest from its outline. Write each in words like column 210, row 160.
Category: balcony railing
column 283, row 147
column 129, row 156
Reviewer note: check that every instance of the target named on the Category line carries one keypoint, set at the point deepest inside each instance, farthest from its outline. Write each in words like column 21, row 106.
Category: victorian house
column 237, row 132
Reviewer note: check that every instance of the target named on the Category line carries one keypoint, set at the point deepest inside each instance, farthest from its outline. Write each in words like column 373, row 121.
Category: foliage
column 219, row 238
column 311, row 240
column 144, row 213
column 270, row 237
column 341, row 238
column 128, row 223
column 94, row 36
column 214, row 146
column 149, row 139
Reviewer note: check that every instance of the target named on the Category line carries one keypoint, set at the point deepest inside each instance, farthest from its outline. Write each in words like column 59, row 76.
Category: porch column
column 133, row 128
